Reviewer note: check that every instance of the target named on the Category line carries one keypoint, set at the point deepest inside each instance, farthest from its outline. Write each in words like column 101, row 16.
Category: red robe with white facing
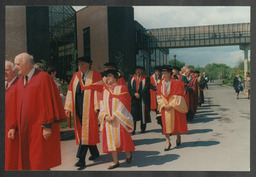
column 116, row 135
column 38, row 103
column 88, row 132
column 11, row 146
column 173, row 120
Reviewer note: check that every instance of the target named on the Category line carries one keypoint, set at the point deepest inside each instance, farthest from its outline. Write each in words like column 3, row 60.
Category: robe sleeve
column 130, row 87
column 96, row 100
column 159, row 98
column 102, row 115
column 179, row 103
column 69, row 102
column 51, row 104
column 124, row 117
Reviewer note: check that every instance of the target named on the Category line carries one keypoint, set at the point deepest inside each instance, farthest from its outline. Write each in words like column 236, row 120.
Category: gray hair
column 29, row 59
column 10, row 63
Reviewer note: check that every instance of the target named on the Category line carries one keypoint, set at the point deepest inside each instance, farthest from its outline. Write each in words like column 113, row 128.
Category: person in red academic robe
column 192, row 89
column 82, row 101
column 154, row 80
column 11, row 145
column 113, row 66
column 172, row 105
column 116, row 119
column 139, row 89
column 39, row 110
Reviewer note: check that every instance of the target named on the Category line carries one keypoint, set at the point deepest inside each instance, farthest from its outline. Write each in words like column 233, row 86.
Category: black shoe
column 80, row 163
column 133, row 133
column 81, row 168
column 129, row 160
column 169, row 148
column 113, row 166
column 143, row 131
column 93, row 157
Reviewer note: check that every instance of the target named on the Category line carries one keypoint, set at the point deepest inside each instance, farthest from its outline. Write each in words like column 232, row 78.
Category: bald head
column 23, row 63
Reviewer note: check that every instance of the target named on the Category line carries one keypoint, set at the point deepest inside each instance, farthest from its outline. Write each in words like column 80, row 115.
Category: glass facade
column 62, row 29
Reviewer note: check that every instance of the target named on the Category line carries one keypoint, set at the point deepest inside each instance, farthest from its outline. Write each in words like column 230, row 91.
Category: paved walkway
column 218, row 140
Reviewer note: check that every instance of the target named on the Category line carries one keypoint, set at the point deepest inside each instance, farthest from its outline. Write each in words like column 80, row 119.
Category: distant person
column 11, row 145
column 39, row 66
column 205, row 78
column 247, row 85
column 154, row 81
column 112, row 65
column 237, row 84
column 116, row 119
column 172, row 105
column 39, row 111
column 139, row 89
column 201, row 86
column 53, row 72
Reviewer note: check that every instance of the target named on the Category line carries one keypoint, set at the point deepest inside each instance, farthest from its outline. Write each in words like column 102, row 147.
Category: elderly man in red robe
column 83, row 102
column 11, row 145
column 39, row 110
column 172, row 105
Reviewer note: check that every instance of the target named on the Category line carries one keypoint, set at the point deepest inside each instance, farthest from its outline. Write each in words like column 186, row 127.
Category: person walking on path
column 115, row 119
column 237, row 84
column 172, row 105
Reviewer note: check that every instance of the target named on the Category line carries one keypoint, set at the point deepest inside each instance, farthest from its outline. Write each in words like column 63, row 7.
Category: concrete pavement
column 218, row 140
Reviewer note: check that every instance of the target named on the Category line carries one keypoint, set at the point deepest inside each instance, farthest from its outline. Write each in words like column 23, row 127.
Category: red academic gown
column 88, row 132
column 11, row 146
column 186, row 96
column 38, row 103
column 153, row 82
column 193, row 98
column 175, row 119
column 117, row 101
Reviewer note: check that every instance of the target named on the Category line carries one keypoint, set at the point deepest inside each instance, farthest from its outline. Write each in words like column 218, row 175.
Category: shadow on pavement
column 148, row 141
column 67, row 135
column 203, row 120
column 197, row 144
column 190, row 132
column 140, row 159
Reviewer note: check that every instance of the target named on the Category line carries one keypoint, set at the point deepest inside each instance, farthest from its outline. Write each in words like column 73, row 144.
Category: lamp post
column 174, row 58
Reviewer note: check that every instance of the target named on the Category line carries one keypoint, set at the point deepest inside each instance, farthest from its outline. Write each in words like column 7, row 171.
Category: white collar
column 30, row 74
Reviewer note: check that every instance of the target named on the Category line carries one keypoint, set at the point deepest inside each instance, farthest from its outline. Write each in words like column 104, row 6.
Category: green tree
column 177, row 62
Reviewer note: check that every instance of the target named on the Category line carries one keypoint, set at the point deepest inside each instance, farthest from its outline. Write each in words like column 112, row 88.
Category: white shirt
column 10, row 83
column 30, row 74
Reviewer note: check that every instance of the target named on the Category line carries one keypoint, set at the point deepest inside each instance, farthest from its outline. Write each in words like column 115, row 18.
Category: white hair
column 10, row 63
column 29, row 59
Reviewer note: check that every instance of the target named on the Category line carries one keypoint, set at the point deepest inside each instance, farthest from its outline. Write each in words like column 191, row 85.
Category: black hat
column 166, row 68
column 176, row 67
column 112, row 71
column 197, row 72
column 111, row 64
column 139, row 67
column 85, row 59
column 157, row 68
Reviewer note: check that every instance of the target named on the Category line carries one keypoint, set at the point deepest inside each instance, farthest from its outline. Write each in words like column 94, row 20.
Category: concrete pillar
column 245, row 48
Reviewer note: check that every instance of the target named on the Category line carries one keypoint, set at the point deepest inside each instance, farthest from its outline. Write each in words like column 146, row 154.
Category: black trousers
column 82, row 151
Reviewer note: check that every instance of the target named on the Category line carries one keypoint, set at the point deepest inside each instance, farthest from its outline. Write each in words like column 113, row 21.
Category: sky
column 182, row 16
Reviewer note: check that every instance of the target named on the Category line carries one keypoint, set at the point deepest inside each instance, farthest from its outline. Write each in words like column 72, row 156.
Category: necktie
column 175, row 77
column 26, row 80
column 83, row 79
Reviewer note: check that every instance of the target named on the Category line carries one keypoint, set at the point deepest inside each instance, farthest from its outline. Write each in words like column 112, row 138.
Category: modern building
column 46, row 32
column 61, row 35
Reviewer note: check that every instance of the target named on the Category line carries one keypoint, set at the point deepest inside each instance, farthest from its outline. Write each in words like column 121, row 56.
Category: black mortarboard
column 197, row 72
column 166, row 68
column 139, row 67
column 176, row 67
column 112, row 71
column 111, row 64
column 84, row 59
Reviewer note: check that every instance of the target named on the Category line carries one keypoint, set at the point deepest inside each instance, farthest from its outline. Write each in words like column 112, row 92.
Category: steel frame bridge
column 199, row 36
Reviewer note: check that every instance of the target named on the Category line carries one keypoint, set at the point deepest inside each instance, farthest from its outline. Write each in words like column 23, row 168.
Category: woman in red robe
column 116, row 119
column 172, row 105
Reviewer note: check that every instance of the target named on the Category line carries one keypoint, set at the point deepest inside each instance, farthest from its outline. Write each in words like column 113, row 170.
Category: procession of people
column 98, row 102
